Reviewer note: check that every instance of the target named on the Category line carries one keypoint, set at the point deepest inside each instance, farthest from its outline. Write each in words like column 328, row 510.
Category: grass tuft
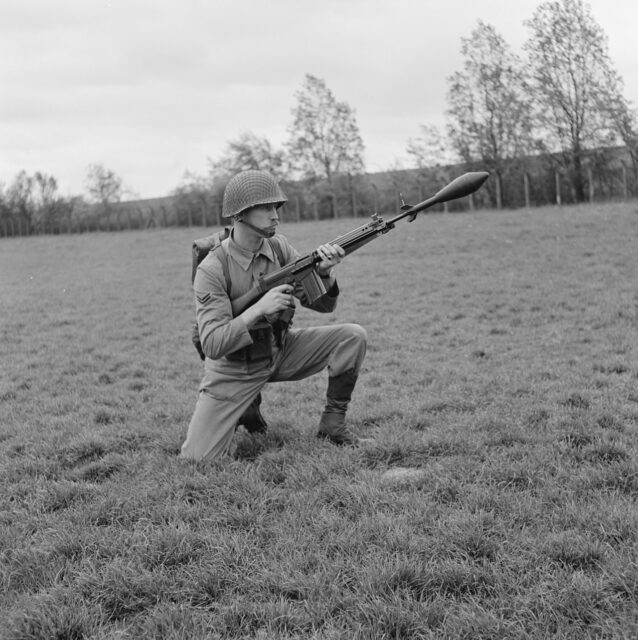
column 574, row 551
column 48, row 619
column 576, row 400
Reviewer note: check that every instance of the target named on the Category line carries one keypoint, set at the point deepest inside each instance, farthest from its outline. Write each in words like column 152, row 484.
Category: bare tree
column 248, row 151
column 489, row 113
column 198, row 196
column 573, row 80
column 104, row 187
column 431, row 151
column 49, row 206
column 625, row 121
column 431, row 148
column 324, row 136
column 19, row 201
column 31, row 204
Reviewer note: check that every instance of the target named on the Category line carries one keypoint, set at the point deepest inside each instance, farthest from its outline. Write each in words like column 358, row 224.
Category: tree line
column 32, row 204
column 551, row 126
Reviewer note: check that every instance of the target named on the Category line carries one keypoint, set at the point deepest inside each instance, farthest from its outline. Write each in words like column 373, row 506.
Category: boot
column 332, row 425
column 252, row 419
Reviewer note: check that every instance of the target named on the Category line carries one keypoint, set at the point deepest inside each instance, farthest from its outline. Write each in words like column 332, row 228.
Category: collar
column 245, row 258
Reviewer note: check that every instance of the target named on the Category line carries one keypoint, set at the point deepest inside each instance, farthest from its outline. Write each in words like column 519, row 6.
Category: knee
column 358, row 334
column 358, row 338
column 349, row 348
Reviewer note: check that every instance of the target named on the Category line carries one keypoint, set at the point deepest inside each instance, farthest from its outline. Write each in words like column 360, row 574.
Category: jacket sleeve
column 219, row 332
column 327, row 302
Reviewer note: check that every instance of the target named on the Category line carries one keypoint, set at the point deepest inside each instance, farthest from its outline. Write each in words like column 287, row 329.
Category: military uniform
column 236, row 368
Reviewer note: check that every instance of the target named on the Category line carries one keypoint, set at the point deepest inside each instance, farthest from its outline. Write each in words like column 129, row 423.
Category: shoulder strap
column 278, row 249
column 222, row 256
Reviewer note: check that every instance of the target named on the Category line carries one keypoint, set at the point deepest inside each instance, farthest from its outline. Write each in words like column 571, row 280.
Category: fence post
column 624, row 181
column 590, row 178
column 526, row 188
column 557, row 181
column 375, row 189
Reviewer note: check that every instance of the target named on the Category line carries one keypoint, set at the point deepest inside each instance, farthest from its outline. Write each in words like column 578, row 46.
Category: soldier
column 243, row 353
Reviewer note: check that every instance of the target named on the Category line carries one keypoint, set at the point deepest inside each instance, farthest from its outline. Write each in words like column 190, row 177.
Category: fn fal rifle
column 301, row 273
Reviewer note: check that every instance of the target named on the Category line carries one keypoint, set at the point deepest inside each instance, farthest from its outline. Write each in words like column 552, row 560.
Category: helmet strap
column 261, row 232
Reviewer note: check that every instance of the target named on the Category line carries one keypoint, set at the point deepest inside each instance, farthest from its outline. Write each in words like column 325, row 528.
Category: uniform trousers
column 228, row 387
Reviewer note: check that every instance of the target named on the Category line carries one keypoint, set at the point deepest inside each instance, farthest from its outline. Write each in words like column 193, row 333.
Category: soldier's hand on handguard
column 331, row 255
column 271, row 303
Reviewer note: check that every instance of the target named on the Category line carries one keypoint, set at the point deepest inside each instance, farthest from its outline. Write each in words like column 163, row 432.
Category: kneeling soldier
column 243, row 353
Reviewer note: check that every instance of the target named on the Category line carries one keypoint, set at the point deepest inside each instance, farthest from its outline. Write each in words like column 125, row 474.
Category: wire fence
column 524, row 184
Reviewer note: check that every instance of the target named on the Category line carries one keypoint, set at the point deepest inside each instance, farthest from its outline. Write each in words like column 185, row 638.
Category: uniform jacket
column 219, row 332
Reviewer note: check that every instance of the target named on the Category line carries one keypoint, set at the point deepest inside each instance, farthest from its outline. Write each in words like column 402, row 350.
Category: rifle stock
column 297, row 272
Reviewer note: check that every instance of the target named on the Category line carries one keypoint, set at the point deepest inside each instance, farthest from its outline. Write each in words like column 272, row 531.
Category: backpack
column 201, row 248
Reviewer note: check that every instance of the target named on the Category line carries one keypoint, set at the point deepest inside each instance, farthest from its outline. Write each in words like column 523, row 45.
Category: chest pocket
column 264, row 334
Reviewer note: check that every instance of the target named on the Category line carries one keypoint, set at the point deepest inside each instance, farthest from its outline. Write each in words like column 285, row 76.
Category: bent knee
column 357, row 333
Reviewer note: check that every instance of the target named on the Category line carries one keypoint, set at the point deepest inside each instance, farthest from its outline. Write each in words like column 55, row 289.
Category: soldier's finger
column 283, row 288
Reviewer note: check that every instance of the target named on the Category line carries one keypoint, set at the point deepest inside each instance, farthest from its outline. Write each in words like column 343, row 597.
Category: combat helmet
column 249, row 189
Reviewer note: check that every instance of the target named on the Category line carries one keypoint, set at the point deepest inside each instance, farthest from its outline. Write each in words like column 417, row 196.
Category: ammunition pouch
column 260, row 349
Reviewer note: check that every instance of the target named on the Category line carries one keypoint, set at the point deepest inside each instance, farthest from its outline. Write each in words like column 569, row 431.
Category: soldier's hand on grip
column 276, row 300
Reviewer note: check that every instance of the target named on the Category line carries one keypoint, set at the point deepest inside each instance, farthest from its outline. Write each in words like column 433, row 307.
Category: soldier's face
column 264, row 217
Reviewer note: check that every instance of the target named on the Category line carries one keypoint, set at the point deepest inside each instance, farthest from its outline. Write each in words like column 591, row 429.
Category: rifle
column 301, row 273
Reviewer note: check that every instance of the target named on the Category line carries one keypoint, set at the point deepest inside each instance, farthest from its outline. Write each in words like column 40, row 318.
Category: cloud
column 151, row 88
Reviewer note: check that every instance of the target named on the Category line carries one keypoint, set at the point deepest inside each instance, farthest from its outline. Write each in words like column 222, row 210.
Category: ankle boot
column 332, row 424
column 252, row 419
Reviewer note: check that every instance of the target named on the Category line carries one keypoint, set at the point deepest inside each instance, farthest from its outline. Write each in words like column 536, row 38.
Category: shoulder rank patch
column 203, row 298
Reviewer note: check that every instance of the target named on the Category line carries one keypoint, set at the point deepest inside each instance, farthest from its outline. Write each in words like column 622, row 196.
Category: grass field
column 496, row 498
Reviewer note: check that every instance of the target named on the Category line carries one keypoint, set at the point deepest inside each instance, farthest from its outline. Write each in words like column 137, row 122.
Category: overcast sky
column 153, row 88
